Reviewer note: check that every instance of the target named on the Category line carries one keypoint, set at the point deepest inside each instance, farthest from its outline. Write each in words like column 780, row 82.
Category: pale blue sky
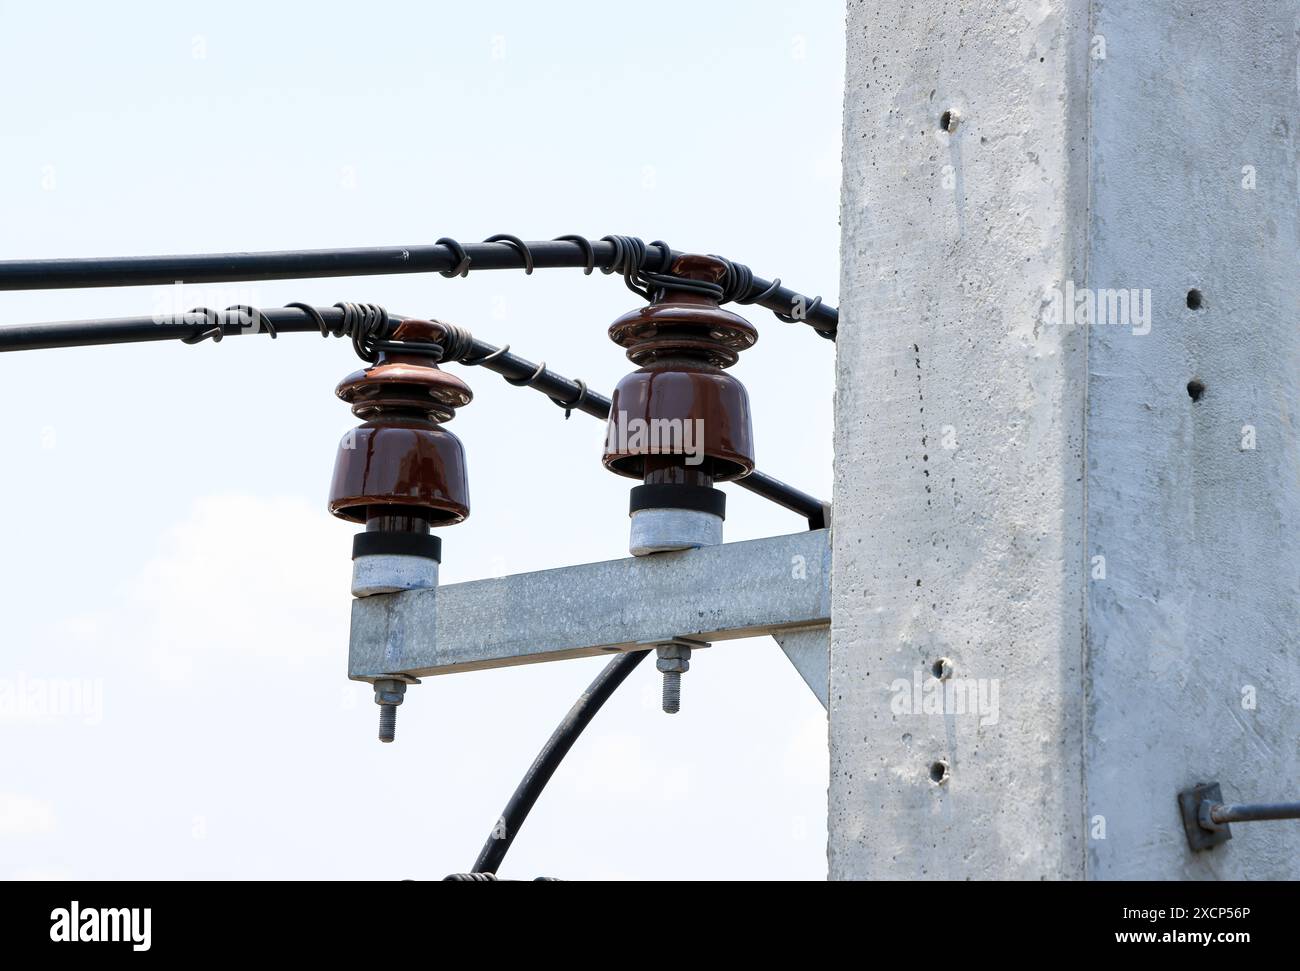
column 167, row 537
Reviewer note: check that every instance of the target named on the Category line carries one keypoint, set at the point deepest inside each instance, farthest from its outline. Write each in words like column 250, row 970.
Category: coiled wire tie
column 488, row 357
column 588, row 250
column 520, row 246
column 575, row 402
column 528, row 381
column 462, row 258
column 214, row 320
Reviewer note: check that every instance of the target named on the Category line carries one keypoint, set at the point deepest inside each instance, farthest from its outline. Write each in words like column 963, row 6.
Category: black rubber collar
column 698, row 498
column 403, row 544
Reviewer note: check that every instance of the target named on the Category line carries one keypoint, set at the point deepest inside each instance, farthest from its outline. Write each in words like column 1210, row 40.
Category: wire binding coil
column 520, row 246
column 576, row 401
column 528, row 381
column 500, row 351
column 368, row 326
column 629, row 261
column 588, row 250
column 215, row 320
column 462, row 258
column 572, row 403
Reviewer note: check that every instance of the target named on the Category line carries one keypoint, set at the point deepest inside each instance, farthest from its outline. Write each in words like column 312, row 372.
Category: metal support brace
column 779, row 585
column 809, row 650
column 1206, row 816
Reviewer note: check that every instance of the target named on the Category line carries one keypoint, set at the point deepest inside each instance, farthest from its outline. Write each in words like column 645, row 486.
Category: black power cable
column 642, row 265
column 549, row 758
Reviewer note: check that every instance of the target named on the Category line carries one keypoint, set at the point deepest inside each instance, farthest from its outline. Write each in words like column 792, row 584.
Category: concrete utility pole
column 1067, row 468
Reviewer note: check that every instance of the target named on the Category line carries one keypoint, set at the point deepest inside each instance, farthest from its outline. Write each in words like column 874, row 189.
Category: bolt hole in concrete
column 942, row 669
column 1195, row 389
column 946, row 121
column 1193, row 299
column 939, row 772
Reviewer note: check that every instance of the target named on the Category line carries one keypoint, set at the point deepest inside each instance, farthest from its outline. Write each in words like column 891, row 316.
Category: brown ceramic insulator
column 687, row 324
column 712, row 401
column 682, row 341
column 401, row 460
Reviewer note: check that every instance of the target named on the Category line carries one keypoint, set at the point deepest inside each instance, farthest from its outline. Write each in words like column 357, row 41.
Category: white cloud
column 264, row 580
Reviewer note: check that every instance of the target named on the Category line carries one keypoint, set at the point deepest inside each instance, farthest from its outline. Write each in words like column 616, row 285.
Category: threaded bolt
column 674, row 661
column 389, row 693
column 387, row 722
column 672, row 692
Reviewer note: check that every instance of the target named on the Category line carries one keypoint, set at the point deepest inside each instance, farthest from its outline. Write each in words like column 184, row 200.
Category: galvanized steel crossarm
column 717, row 593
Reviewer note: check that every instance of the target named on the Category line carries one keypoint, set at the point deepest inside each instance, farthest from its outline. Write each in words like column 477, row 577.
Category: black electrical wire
column 360, row 322
column 191, row 327
column 642, row 265
column 549, row 758
column 574, row 395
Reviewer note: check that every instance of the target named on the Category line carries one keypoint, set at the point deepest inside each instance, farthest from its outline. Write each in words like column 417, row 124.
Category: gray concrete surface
column 990, row 448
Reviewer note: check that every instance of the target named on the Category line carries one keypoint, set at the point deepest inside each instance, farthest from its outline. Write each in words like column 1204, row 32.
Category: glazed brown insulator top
column 401, row 460
column 686, row 325
column 682, row 341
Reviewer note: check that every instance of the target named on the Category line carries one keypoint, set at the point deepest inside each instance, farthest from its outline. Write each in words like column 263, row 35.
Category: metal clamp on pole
column 1206, row 816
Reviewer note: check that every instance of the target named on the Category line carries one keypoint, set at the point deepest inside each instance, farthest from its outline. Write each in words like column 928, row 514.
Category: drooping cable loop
column 548, row 760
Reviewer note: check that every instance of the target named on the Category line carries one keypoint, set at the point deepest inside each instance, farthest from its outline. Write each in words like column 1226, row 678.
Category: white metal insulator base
column 391, row 573
column 661, row 530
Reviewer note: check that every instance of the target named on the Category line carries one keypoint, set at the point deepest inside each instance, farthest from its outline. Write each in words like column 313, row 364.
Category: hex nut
column 389, row 691
column 673, row 651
